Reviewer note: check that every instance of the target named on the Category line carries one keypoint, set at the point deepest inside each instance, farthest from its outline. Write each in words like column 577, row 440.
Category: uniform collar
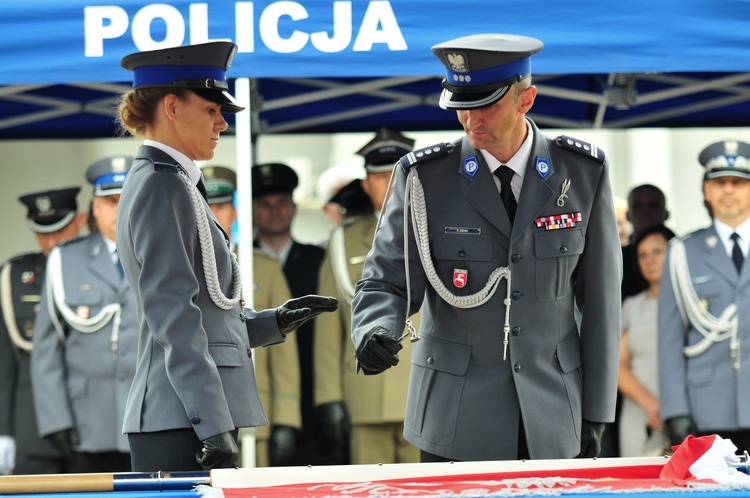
column 187, row 164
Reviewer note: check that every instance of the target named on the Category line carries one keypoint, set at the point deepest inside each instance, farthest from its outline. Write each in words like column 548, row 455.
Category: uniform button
column 517, row 368
column 195, row 420
column 515, row 258
column 563, row 249
column 461, row 253
column 430, row 360
column 516, row 295
column 249, row 353
column 517, row 330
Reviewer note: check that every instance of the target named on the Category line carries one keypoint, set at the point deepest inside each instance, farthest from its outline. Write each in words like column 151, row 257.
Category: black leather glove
column 219, row 452
column 282, row 445
column 591, row 439
column 678, row 428
column 334, row 426
column 378, row 350
column 64, row 441
column 295, row 312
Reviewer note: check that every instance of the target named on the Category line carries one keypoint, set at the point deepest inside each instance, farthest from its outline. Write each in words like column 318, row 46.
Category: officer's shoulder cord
column 209, row 256
column 712, row 329
column 337, row 246
column 55, row 288
column 9, row 313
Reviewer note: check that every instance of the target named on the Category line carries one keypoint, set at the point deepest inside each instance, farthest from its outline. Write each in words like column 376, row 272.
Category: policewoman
column 194, row 385
column 52, row 215
column 86, row 337
column 703, row 305
column 508, row 235
column 372, row 405
column 277, row 368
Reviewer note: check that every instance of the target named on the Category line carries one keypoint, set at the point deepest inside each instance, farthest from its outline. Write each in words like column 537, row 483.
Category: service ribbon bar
column 558, row 221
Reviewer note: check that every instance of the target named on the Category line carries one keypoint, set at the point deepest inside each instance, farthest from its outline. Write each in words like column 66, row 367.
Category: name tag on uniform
column 463, row 230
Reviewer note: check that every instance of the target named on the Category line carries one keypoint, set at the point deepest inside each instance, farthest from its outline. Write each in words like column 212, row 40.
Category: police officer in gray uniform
column 53, row 217
column 508, row 233
column 86, row 337
column 194, row 386
column 704, row 331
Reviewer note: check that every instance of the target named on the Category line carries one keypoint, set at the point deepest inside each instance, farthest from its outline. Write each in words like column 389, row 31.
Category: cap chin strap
column 713, row 329
column 209, row 256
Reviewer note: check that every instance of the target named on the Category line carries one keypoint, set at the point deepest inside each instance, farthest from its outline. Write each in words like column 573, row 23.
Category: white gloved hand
column 7, row 454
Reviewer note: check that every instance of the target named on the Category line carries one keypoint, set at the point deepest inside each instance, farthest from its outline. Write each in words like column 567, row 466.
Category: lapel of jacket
column 482, row 191
column 536, row 192
column 101, row 263
column 717, row 258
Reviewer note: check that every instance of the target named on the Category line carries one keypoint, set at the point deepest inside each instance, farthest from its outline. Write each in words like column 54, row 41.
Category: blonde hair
column 137, row 108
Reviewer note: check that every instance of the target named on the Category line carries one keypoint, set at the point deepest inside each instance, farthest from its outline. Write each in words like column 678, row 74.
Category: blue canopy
column 335, row 65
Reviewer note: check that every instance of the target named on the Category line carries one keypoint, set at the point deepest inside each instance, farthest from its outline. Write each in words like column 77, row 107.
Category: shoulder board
column 686, row 236
column 583, row 148
column 426, row 154
column 162, row 166
column 72, row 241
column 21, row 258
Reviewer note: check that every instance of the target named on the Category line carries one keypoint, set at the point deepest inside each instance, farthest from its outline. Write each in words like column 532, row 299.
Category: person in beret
column 702, row 301
column 370, row 408
column 86, row 337
column 194, row 386
column 501, row 237
column 274, row 210
column 53, row 217
column 277, row 368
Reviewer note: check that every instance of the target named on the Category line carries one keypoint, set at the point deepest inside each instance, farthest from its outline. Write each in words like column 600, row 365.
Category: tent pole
column 244, row 144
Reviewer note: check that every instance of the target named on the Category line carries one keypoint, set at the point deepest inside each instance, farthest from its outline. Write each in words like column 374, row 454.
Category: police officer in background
column 703, row 303
column 508, row 233
column 374, row 405
column 273, row 212
column 53, row 217
column 86, row 337
column 276, row 368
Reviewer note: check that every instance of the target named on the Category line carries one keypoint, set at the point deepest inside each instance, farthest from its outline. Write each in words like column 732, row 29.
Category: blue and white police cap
column 108, row 174
column 202, row 68
column 727, row 158
column 382, row 152
column 481, row 68
column 50, row 211
column 221, row 182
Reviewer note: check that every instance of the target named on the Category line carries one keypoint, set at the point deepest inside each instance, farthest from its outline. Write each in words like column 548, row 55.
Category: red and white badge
column 460, row 277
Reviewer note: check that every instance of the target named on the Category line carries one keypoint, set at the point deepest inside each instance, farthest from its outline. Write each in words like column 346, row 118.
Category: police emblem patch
column 542, row 167
column 460, row 277
column 471, row 166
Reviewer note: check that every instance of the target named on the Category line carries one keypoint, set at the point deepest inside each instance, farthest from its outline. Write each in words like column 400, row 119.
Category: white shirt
column 517, row 163
column 725, row 234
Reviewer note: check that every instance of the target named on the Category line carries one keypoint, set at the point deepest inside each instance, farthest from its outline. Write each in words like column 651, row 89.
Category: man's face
column 105, row 214
column 49, row 240
column 375, row 186
column 646, row 209
column 226, row 214
column 729, row 198
column 273, row 214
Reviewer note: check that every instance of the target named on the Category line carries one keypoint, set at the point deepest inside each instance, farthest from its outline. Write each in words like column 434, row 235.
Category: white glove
column 7, row 454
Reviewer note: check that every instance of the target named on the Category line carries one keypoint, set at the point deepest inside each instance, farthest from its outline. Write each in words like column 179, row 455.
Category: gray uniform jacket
column 194, row 359
column 705, row 387
column 82, row 380
column 464, row 399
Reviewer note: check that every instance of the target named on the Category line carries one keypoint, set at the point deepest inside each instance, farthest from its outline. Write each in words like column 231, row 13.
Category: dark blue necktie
column 118, row 264
column 505, row 174
column 737, row 255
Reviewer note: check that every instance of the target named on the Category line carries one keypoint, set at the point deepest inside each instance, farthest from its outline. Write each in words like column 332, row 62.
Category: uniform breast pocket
column 708, row 292
column 85, row 303
column 225, row 355
column 557, row 253
column 461, row 261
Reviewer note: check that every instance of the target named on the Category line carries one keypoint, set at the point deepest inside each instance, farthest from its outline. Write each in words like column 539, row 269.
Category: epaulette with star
column 426, row 154
column 581, row 147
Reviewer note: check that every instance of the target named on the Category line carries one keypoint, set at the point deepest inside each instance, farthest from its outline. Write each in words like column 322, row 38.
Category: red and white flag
column 703, row 458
